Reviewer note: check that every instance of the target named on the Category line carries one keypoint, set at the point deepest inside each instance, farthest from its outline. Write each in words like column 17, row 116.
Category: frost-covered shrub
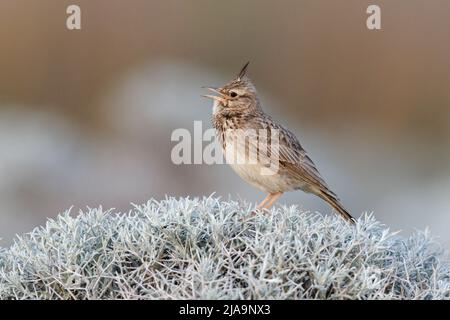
column 202, row 249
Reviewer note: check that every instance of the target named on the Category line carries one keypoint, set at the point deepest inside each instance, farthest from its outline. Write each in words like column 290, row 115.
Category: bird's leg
column 268, row 201
column 273, row 198
column 263, row 203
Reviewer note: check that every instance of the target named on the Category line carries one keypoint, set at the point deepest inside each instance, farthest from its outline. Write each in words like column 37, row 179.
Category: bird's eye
column 233, row 94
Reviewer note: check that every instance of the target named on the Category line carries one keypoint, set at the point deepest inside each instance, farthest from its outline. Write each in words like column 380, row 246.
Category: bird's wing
column 291, row 156
column 297, row 161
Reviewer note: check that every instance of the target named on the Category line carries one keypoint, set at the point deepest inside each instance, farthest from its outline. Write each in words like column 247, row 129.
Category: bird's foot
column 253, row 214
column 248, row 216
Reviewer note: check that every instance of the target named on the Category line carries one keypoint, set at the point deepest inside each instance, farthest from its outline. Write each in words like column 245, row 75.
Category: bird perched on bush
column 262, row 152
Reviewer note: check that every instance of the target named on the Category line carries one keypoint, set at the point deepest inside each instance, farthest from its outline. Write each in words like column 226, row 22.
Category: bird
column 271, row 157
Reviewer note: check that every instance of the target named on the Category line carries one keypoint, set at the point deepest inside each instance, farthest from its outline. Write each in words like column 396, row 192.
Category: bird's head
column 239, row 95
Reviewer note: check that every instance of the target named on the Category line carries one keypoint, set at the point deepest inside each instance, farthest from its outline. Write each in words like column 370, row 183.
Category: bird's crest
column 243, row 71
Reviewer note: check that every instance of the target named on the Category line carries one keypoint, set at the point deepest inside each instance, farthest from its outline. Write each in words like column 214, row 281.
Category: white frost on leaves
column 201, row 249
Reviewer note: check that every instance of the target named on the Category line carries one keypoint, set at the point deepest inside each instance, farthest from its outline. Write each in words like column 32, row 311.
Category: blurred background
column 86, row 116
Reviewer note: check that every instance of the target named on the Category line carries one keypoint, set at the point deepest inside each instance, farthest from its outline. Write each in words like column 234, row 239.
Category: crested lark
column 244, row 130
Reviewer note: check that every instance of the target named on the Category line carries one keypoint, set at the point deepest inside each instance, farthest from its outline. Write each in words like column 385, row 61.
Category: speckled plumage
column 237, row 112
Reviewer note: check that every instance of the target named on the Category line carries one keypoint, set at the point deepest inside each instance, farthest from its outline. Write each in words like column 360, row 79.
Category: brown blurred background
column 86, row 116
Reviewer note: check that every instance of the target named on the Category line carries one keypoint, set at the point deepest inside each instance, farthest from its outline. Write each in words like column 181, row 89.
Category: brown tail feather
column 334, row 202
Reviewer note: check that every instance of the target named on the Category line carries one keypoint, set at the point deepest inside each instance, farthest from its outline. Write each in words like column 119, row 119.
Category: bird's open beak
column 210, row 96
column 221, row 97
